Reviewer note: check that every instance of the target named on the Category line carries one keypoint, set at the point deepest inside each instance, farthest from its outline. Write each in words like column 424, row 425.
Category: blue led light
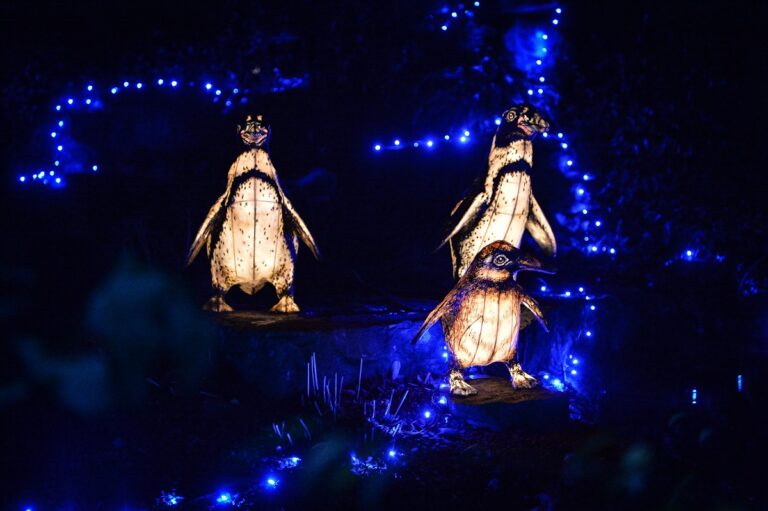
column 694, row 396
column 208, row 86
column 588, row 333
column 580, row 191
column 271, row 482
column 218, row 92
column 541, row 79
column 392, row 453
column 576, row 361
column 447, row 137
column 466, row 133
column 453, row 14
column 545, row 135
column 139, row 85
column 530, row 92
column 126, row 84
column 113, row 90
column 95, row 168
column 477, row 4
column 397, row 141
column 540, row 91
column 559, row 135
column 430, row 143
column 497, row 121
column 564, row 145
column 444, row 28
column 57, row 163
column 61, row 123
column 427, row 414
column 58, row 107
column 60, row 148
column 89, row 88
column 70, row 101
column 544, row 36
column 51, row 173
column 739, row 383
column 377, row 147
column 53, row 134
column 538, row 62
column 543, row 288
column 555, row 21
column 443, row 400
column 174, row 83
column 568, row 294
column 22, row 179
column 574, row 372
column 598, row 223
column 569, row 162
column 584, row 211
column 224, row 498
column 235, row 90
column 58, row 180
column 558, row 10
column 88, row 101
column 591, row 307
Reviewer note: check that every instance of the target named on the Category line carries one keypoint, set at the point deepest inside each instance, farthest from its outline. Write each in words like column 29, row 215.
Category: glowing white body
column 253, row 247
column 484, row 329
column 502, row 211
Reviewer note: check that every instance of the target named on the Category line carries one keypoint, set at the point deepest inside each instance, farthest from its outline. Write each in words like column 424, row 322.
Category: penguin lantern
column 505, row 206
column 481, row 315
column 251, row 232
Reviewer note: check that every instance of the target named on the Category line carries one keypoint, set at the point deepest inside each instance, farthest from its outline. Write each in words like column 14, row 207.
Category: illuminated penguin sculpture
column 505, row 207
column 481, row 315
column 251, row 231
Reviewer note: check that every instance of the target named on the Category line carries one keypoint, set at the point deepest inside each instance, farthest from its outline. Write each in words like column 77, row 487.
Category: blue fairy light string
column 94, row 98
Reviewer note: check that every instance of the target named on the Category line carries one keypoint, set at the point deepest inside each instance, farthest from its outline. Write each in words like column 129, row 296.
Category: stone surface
column 497, row 405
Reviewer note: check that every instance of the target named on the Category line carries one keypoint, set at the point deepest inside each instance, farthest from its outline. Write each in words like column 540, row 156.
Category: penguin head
column 256, row 131
column 519, row 122
column 501, row 260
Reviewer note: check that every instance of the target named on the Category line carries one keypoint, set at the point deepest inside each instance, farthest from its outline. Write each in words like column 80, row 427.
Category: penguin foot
column 521, row 379
column 286, row 305
column 458, row 386
column 217, row 304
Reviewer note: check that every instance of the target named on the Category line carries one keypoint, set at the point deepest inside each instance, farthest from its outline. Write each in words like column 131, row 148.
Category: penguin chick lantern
column 481, row 315
column 504, row 207
column 251, row 232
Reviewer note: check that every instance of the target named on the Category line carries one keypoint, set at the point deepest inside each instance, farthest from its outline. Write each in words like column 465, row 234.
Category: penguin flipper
column 211, row 220
column 540, row 229
column 533, row 306
column 473, row 211
column 437, row 313
column 299, row 228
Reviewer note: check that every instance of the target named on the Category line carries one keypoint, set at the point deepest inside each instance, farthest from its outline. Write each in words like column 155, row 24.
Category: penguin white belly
column 252, row 248
column 504, row 219
column 485, row 329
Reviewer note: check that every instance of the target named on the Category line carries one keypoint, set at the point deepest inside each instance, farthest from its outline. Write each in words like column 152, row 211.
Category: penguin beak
column 530, row 263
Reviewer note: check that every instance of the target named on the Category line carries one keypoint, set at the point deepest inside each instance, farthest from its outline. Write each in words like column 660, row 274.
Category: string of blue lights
column 94, row 98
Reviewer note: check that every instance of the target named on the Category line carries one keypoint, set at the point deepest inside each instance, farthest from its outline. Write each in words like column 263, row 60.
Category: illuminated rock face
column 505, row 206
column 251, row 232
column 481, row 314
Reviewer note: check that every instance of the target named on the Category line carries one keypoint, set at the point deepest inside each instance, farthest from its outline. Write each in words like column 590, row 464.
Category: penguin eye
column 500, row 260
column 510, row 116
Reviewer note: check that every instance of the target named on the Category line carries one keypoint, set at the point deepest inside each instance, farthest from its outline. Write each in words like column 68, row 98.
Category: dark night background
column 663, row 104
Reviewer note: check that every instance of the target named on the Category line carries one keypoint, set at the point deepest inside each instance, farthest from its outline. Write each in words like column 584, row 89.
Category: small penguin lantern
column 505, row 206
column 481, row 315
column 251, row 232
